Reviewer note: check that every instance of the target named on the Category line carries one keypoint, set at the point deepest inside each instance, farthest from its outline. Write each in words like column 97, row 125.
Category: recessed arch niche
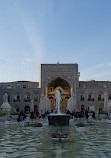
column 65, row 89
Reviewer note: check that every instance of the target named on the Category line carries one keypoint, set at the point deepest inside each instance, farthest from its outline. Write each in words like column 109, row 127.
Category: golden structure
column 65, row 89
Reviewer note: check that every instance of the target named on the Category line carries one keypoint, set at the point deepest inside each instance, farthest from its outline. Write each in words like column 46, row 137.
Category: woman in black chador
column 86, row 114
column 32, row 115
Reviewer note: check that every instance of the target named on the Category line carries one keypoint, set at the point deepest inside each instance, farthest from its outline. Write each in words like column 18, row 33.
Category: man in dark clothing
column 86, row 114
column 93, row 115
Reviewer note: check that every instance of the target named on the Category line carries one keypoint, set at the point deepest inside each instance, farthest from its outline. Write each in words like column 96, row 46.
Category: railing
column 27, row 100
column 16, row 100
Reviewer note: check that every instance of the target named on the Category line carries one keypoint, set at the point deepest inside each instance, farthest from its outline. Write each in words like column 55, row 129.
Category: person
column 32, row 115
column 93, row 115
column 86, row 114
column 36, row 115
column 21, row 117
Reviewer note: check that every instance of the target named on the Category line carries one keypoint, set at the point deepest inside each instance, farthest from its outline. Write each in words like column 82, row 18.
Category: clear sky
column 48, row 31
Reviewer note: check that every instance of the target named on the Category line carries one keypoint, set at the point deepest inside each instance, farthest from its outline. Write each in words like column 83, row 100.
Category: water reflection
column 31, row 142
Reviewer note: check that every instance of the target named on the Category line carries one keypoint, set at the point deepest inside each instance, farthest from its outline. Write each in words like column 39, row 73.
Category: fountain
column 58, row 118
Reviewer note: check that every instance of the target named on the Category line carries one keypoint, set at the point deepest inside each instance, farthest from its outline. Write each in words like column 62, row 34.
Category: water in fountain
column 58, row 99
column 58, row 118
column 19, row 141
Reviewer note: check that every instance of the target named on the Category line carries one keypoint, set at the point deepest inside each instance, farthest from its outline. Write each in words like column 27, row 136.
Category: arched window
column 82, row 98
column 16, row 98
column 90, row 97
column 27, row 109
column 27, row 97
column 8, row 98
column 109, row 96
column 99, row 97
column 17, row 109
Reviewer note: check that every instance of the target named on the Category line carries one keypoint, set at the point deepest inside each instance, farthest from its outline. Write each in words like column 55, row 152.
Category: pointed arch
column 65, row 89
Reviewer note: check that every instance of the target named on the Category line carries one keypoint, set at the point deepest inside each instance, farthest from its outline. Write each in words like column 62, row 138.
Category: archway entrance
column 27, row 109
column 65, row 89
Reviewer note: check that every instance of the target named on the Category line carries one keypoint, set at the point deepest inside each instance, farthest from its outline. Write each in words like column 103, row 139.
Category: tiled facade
column 67, row 72
column 87, row 93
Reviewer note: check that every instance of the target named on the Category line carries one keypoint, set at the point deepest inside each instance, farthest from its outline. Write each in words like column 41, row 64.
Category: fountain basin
column 59, row 119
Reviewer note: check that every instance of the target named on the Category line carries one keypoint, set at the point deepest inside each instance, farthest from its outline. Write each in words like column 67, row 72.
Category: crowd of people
column 36, row 115
column 81, row 114
column 22, row 116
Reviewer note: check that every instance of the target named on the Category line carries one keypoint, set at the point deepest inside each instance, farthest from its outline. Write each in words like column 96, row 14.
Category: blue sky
column 47, row 31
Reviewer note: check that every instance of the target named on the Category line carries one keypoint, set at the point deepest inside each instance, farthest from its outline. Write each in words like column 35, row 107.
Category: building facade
column 21, row 94
column 65, row 78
